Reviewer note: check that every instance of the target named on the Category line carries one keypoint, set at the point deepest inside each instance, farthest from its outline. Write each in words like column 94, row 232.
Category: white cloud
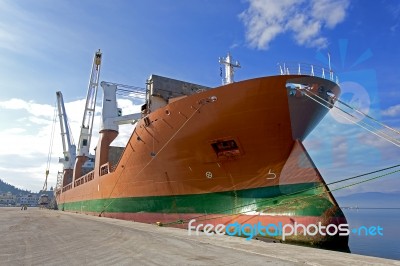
column 266, row 19
column 29, row 142
column 39, row 110
column 15, row 130
column 37, row 120
column 330, row 12
column 234, row 45
column 34, row 181
column 392, row 111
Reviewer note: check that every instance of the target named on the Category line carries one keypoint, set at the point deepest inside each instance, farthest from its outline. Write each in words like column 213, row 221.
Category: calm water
column 386, row 246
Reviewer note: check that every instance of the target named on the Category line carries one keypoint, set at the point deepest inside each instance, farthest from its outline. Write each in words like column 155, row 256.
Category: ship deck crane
column 88, row 116
column 69, row 147
column 111, row 118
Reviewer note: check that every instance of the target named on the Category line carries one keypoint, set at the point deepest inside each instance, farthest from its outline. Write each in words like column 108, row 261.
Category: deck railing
column 67, row 187
column 86, row 178
column 104, row 169
column 307, row 69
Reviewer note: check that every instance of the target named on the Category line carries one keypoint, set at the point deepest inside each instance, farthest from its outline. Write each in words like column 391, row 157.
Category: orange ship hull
column 232, row 153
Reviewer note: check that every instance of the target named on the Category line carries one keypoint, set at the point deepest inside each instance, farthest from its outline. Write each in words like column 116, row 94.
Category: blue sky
column 47, row 46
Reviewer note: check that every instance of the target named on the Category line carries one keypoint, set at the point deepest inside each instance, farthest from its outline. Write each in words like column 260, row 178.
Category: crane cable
column 50, row 148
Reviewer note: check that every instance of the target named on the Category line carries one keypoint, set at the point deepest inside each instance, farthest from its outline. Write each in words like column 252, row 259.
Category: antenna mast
column 229, row 68
column 330, row 68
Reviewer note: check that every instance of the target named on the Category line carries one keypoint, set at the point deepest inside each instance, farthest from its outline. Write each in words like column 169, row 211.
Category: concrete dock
column 45, row 237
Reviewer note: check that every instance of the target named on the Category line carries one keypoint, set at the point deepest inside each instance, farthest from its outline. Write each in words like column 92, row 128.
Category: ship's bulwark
column 224, row 155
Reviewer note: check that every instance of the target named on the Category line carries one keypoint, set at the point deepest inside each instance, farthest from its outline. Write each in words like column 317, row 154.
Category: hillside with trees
column 5, row 187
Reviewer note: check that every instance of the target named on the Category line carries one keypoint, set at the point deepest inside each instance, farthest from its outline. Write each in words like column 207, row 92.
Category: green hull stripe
column 275, row 200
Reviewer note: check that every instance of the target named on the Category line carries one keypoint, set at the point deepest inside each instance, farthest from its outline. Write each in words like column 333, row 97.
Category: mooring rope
column 387, row 138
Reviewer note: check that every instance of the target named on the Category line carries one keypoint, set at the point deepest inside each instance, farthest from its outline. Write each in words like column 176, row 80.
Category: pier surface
column 45, row 237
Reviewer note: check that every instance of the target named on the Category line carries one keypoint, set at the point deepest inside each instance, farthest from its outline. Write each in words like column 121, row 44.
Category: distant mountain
column 370, row 200
column 5, row 187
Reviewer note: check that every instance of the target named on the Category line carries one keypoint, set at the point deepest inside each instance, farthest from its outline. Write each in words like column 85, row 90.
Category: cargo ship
column 220, row 155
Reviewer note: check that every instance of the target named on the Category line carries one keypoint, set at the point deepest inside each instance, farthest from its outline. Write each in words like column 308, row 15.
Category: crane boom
column 88, row 116
column 90, row 106
column 69, row 148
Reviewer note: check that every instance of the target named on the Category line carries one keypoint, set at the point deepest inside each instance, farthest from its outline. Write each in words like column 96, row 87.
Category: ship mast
column 229, row 68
